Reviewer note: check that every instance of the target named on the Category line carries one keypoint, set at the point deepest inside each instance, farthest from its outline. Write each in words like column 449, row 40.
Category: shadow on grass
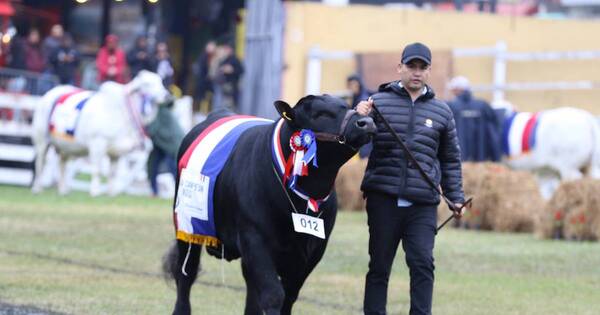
column 11, row 309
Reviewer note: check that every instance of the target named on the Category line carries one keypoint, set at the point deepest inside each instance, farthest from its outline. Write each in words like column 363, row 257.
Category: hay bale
column 347, row 185
column 573, row 212
column 504, row 200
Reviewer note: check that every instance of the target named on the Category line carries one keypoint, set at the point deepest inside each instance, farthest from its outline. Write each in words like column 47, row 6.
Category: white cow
column 562, row 144
column 108, row 122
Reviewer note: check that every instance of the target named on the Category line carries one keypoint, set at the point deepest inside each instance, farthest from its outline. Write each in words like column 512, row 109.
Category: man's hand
column 364, row 107
column 461, row 212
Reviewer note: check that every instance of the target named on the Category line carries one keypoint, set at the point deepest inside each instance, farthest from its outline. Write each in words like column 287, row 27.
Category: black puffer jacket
column 427, row 127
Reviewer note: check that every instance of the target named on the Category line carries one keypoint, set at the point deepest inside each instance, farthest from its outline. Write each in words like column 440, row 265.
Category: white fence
column 501, row 56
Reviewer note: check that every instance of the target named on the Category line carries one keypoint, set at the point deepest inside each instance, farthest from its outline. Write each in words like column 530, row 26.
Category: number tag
column 192, row 194
column 310, row 225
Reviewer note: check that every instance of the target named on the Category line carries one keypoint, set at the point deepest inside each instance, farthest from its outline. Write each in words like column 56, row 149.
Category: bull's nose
column 366, row 124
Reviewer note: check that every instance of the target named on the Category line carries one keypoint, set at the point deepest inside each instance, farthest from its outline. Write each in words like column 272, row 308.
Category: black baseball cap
column 416, row 51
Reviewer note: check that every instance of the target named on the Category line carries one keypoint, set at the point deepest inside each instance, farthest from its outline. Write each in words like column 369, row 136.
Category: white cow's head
column 148, row 89
column 151, row 86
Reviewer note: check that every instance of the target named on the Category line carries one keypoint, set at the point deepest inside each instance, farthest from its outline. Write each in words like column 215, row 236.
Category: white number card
column 310, row 225
column 192, row 194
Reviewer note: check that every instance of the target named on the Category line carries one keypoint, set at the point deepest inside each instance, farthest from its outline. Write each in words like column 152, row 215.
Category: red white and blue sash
column 519, row 133
column 65, row 113
column 198, row 169
column 286, row 171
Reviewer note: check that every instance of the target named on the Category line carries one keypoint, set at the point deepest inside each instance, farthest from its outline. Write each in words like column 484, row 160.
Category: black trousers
column 388, row 224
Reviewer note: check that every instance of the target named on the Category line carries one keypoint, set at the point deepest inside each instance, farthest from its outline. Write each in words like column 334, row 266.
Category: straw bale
column 573, row 212
column 347, row 185
column 504, row 200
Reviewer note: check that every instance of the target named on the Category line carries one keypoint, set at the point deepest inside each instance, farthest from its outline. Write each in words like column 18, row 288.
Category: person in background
column 65, row 60
column 226, row 76
column 203, row 83
column 359, row 93
column 139, row 57
column 401, row 206
column 166, row 135
column 52, row 41
column 16, row 53
column 110, row 61
column 458, row 4
column 477, row 127
column 358, row 89
column 34, row 57
column 164, row 68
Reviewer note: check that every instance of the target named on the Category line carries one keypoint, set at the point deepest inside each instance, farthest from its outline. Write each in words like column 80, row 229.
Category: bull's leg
column 260, row 274
column 292, row 285
column 185, row 272
column 293, row 277
column 252, row 305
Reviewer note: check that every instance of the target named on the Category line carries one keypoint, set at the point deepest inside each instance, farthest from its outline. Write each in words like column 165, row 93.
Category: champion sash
column 198, row 170
column 519, row 133
column 65, row 113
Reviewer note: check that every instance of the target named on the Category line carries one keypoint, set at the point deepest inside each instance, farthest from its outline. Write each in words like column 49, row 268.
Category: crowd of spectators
column 57, row 60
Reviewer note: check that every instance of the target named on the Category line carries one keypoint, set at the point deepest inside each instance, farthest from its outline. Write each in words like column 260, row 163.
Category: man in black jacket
column 400, row 203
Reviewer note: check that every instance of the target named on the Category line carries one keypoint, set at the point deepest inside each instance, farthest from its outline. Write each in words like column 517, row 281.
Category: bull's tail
column 181, row 260
column 594, row 169
column 169, row 262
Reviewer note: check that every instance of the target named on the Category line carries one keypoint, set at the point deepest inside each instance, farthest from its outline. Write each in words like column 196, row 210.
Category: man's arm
column 450, row 164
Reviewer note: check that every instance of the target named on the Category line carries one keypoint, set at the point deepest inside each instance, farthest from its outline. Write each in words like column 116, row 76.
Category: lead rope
column 284, row 190
column 288, row 195
column 186, row 259
column 222, row 263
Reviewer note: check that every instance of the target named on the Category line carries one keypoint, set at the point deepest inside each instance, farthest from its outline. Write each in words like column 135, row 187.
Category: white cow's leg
column 114, row 185
column 40, row 159
column 97, row 151
column 63, row 186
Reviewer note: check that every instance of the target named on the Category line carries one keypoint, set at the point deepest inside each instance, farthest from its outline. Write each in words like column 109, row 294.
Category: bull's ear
column 285, row 110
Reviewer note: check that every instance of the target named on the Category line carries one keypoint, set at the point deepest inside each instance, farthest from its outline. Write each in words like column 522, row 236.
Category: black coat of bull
column 253, row 214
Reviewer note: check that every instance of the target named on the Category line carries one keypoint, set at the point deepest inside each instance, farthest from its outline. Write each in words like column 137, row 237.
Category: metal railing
column 26, row 82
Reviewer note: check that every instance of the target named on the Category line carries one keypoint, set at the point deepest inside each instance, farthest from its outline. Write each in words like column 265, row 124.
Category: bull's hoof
column 182, row 309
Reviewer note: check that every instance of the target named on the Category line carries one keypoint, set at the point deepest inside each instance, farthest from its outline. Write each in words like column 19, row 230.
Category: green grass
column 80, row 255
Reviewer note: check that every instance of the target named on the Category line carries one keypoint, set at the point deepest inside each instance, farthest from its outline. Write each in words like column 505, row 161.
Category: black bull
column 253, row 214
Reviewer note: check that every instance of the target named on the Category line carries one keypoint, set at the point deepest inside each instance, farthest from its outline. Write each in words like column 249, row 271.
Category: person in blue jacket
column 477, row 125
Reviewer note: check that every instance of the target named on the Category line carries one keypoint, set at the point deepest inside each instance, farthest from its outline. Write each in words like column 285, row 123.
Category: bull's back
column 191, row 136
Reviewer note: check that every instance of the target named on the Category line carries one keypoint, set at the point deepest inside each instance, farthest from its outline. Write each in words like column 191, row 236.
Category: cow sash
column 198, row 170
column 65, row 113
column 519, row 133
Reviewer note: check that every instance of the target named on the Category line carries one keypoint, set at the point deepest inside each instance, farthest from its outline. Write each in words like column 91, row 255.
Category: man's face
column 354, row 86
column 414, row 74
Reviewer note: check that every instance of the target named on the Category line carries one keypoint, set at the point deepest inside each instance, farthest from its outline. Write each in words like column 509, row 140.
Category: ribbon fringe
column 204, row 240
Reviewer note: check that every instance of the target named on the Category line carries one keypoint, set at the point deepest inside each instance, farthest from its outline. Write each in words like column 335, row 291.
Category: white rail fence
column 499, row 52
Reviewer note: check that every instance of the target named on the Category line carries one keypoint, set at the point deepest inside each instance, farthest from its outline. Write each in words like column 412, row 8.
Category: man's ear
column 285, row 110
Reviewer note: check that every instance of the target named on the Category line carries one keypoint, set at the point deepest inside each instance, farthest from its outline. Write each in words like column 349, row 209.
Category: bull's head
column 337, row 128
